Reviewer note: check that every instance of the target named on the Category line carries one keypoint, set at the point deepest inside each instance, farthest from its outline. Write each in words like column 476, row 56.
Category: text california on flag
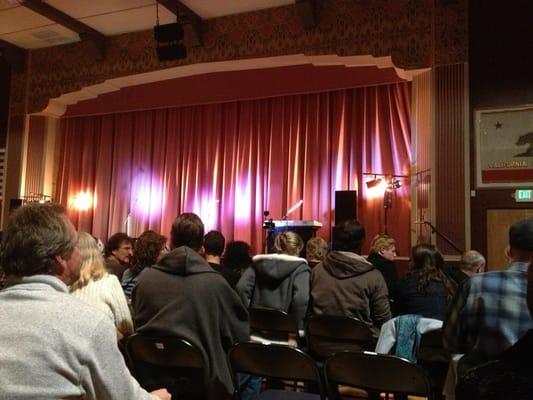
column 506, row 145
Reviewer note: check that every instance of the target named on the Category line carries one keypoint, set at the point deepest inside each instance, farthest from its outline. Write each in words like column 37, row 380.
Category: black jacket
column 433, row 304
column 388, row 270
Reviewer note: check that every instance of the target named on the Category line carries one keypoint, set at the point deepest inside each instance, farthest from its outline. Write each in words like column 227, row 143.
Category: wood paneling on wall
column 450, row 149
column 35, row 154
column 422, row 156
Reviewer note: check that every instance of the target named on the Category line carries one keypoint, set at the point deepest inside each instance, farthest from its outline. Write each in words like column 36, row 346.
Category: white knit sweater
column 106, row 294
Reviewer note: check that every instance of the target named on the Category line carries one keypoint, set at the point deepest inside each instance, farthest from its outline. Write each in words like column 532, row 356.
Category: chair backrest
column 328, row 334
column 274, row 361
column 170, row 362
column 434, row 359
column 271, row 320
column 431, row 347
column 375, row 373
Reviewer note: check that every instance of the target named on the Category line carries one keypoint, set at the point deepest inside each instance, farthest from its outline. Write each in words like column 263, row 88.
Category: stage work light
column 373, row 183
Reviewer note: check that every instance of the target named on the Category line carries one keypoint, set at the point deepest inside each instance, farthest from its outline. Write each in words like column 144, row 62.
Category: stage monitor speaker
column 345, row 205
column 14, row 204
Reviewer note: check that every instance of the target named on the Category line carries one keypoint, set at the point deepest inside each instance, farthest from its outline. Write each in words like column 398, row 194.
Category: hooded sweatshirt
column 278, row 281
column 183, row 296
column 345, row 284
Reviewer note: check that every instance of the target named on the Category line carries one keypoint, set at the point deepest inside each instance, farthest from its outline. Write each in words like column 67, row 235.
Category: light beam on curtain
column 230, row 162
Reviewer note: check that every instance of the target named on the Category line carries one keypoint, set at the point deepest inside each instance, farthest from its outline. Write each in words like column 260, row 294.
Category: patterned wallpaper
column 402, row 29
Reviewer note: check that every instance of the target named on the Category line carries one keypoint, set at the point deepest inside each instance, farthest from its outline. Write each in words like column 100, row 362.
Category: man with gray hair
column 52, row 345
column 489, row 312
column 472, row 262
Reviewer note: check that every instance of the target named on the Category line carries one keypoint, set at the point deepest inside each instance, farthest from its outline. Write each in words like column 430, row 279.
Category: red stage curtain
column 230, row 162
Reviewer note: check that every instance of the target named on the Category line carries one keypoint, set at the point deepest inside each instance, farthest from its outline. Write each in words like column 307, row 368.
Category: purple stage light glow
column 208, row 210
column 147, row 199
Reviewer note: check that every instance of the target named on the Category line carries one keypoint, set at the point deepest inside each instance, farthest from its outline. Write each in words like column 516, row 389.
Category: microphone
column 293, row 208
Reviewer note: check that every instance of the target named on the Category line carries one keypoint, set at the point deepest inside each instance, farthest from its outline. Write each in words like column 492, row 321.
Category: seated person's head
column 237, row 255
column 316, row 249
column 521, row 240
column 214, row 243
column 120, row 247
column 349, row 236
column 289, row 243
column 149, row 248
column 92, row 262
column 40, row 239
column 427, row 262
column 187, row 230
column 472, row 262
column 385, row 246
column 426, row 257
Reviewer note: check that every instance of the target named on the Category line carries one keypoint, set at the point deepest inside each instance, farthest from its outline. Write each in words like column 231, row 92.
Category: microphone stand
column 443, row 237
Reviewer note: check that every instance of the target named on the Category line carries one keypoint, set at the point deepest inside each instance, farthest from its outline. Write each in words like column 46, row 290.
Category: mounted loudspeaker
column 168, row 33
column 345, row 205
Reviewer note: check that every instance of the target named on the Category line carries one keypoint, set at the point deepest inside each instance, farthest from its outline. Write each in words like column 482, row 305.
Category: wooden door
column 498, row 224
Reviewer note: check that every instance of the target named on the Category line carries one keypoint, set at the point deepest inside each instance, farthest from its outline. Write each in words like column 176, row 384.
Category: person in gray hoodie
column 279, row 281
column 346, row 284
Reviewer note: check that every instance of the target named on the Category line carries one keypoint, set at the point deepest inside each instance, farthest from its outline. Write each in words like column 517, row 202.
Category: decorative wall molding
column 57, row 106
column 409, row 32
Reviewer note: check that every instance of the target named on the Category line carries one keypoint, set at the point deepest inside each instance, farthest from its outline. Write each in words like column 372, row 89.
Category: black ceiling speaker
column 168, row 33
column 171, row 51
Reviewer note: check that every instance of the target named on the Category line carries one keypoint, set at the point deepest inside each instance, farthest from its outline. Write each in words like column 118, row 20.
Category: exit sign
column 523, row 195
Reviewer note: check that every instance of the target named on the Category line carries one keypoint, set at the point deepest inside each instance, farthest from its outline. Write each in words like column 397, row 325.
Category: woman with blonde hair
column 316, row 249
column 278, row 280
column 99, row 288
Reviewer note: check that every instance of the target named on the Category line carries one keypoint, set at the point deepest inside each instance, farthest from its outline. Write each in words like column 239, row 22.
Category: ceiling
column 28, row 29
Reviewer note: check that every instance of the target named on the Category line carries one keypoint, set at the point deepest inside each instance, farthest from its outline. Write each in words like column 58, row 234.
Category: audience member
column 316, row 249
column 472, row 262
column 214, row 247
column 237, row 256
column 183, row 296
column 426, row 290
column 382, row 253
column 118, row 253
column 345, row 283
column 489, row 312
column 97, row 287
column 53, row 345
column 149, row 248
column 507, row 377
column 279, row 280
